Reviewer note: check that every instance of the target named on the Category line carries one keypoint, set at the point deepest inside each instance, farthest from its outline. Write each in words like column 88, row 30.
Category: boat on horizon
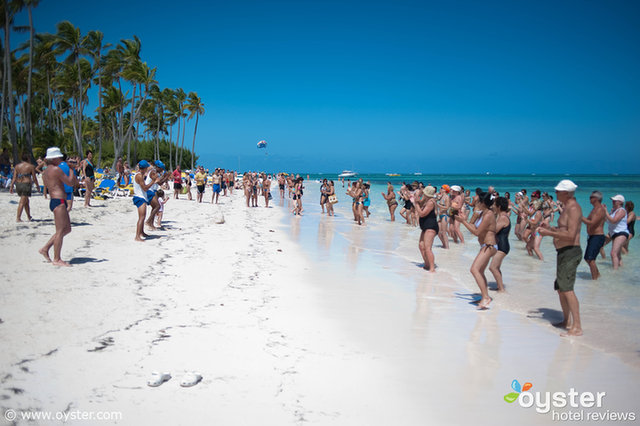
column 417, row 174
column 392, row 174
column 347, row 173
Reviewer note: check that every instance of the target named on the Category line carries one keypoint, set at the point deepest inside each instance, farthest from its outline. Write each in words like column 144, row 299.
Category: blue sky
column 443, row 86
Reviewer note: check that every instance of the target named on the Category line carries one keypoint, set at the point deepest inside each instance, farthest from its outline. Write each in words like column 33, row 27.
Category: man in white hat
column 566, row 239
column 54, row 179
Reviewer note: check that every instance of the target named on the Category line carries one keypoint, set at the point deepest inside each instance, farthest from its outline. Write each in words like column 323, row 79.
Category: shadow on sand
column 81, row 260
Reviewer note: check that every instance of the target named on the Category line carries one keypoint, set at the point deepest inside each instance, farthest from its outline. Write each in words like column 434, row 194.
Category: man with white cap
column 55, row 179
column 618, row 231
column 566, row 239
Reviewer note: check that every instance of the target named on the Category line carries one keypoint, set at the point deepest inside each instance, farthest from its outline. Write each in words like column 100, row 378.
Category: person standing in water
column 595, row 232
column 485, row 229
column 503, row 226
column 426, row 209
column 566, row 239
column 390, row 198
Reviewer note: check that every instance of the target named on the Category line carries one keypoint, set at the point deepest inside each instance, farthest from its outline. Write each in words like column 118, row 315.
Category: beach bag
column 333, row 199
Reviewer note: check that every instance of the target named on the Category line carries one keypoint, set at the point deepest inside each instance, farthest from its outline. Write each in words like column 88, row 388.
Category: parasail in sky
column 262, row 144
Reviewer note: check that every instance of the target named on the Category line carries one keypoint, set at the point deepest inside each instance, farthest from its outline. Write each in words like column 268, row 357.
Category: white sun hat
column 53, row 152
column 566, row 185
column 618, row 198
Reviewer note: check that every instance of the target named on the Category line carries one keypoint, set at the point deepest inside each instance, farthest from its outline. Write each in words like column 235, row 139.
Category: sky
column 393, row 86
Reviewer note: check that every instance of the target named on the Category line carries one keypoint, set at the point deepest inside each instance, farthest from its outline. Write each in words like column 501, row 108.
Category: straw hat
column 429, row 191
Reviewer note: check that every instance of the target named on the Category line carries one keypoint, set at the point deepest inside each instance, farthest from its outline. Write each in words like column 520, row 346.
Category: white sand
column 279, row 338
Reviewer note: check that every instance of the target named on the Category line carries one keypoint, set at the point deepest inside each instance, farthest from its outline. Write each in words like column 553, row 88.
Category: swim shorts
column 200, row 189
column 69, row 196
column 150, row 195
column 594, row 244
column 177, row 185
column 139, row 201
column 216, row 187
column 567, row 263
column 23, row 189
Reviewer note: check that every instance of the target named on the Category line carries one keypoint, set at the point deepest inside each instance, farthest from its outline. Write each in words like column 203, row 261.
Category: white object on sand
column 157, row 379
column 190, row 379
column 218, row 217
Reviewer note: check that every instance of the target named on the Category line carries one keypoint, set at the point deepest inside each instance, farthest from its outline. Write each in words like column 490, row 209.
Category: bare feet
column 138, row 239
column 484, row 304
column 45, row 253
column 561, row 324
column 145, row 235
column 572, row 332
column 150, row 226
column 60, row 262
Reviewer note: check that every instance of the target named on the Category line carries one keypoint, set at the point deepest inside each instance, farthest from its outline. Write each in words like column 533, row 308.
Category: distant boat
column 417, row 174
column 393, row 174
column 347, row 173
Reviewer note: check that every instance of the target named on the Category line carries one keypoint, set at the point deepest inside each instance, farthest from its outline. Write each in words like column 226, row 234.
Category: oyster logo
column 515, row 385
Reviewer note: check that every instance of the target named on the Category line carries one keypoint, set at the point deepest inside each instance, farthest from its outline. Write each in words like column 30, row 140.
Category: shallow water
column 609, row 308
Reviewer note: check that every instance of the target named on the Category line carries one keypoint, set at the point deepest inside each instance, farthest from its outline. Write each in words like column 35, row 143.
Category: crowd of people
column 439, row 213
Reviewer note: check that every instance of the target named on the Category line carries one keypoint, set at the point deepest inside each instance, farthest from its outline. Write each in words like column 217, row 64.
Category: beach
column 290, row 320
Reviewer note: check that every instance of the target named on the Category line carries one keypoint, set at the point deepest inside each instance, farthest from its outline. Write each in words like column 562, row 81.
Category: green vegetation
column 45, row 92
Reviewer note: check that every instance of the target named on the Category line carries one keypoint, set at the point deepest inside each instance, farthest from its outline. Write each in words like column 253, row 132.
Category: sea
column 385, row 250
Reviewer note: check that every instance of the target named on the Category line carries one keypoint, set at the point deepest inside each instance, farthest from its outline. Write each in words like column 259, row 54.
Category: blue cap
column 160, row 164
column 143, row 164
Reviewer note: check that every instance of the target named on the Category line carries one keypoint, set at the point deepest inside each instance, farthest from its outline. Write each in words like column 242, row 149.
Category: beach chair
column 104, row 188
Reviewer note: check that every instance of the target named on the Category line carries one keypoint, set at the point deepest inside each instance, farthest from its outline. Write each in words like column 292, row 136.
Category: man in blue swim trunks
column 54, row 180
column 595, row 231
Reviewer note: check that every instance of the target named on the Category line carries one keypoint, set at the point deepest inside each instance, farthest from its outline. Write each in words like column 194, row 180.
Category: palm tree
column 195, row 107
column 70, row 39
column 95, row 45
column 10, row 9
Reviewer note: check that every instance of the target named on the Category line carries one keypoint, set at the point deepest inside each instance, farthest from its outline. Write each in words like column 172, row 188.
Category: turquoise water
column 611, row 314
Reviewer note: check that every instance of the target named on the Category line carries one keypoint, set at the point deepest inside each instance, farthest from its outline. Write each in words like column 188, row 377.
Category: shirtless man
column 119, row 172
column 217, row 180
column 54, row 180
column 595, row 231
column 266, row 189
column 566, row 239
column 281, row 183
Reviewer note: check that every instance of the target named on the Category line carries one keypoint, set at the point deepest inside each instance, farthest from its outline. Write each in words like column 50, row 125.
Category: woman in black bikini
column 426, row 209
column 503, row 227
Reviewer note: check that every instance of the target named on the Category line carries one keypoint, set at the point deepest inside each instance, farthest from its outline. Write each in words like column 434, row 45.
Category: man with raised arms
column 566, row 239
column 54, row 180
column 595, row 231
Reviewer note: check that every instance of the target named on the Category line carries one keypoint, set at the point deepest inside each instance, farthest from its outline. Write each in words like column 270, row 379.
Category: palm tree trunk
column 184, row 131
column 170, row 142
column 79, row 110
column 29, row 132
column 178, row 143
column 12, row 112
column 193, row 145
column 4, row 92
